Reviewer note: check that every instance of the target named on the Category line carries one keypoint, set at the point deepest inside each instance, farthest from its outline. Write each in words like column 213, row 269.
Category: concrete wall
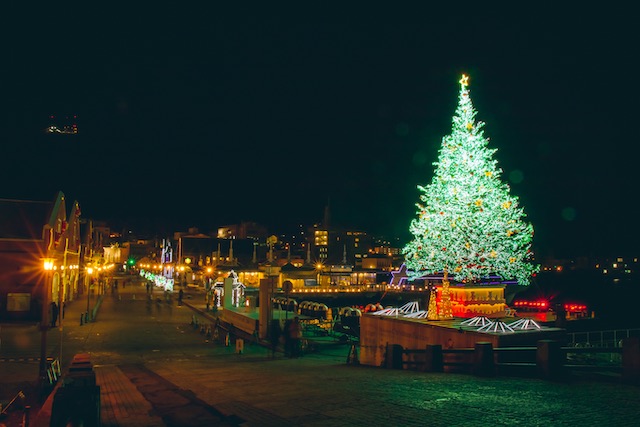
column 240, row 320
column 378, row 331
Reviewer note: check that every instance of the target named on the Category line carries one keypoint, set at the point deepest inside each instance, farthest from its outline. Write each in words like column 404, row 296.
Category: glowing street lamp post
column 48, row 265
column 287, row 287
column 89, row 273
column 318, row 272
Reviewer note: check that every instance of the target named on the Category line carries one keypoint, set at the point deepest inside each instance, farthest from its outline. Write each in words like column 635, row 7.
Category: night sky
column 211, row 115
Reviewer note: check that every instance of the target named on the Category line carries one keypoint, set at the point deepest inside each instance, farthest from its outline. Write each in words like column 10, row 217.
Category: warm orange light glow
column 48, row 264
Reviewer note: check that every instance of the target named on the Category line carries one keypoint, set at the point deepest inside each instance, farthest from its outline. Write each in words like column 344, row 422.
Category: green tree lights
column 469, row 225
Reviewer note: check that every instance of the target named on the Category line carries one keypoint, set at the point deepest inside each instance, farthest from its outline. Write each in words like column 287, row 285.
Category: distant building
column 202, row 250
column 377, row 262
column 243, row 230
column 63, row 124
column 332, row 245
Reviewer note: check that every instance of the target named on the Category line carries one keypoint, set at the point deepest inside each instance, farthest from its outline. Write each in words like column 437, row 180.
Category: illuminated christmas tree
column 432, row 311
column 469, row 226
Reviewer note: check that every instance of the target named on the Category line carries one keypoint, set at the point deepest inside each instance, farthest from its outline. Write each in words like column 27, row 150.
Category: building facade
column 39, row 257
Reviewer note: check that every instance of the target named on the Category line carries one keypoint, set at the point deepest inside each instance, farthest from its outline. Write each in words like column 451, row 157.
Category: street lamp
column 287, row 286
column 100, row 289
column 318, row 272
column 183, row 275
column 89, row 272
column 47, row 266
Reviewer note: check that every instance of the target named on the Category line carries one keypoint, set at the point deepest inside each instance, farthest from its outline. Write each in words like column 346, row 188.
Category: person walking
column 54, row 314
column 295, row 335
column 274, row 336
column 287, row 337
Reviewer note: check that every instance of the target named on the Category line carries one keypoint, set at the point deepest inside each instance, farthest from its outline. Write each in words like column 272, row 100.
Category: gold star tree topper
column 464, row 81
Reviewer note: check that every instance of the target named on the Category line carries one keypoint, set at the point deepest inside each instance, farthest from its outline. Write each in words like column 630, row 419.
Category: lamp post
column 183, row 275
column 89, row 273
column 287, row 286
column 318, row 271
column 100, row 278
column 61, row 292
column 209, row 287
column 48, row 265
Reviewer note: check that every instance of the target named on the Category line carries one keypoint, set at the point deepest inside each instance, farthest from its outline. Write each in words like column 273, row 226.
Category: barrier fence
column 607, row 338
column 548, row 359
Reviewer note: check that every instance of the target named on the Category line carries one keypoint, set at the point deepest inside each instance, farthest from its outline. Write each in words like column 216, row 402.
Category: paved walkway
column 121, row 403
column 223, row 388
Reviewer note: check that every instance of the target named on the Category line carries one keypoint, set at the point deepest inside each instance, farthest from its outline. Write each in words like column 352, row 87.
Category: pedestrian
column 216, row 301
column 274, row 336
column 295, row 335
column 54, row 314
column 180, row 295
column 287, row 337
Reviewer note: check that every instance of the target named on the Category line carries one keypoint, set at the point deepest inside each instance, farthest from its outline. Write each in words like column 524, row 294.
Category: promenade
column 210, row 384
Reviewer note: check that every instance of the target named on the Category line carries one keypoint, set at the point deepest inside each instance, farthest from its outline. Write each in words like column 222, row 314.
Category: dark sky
column 206, row 115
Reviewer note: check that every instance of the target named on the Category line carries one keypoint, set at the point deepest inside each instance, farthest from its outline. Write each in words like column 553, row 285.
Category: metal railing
column 548, row 359
column 606, row 338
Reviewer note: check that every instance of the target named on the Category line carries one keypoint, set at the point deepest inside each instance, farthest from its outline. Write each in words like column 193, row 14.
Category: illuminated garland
column 160, row 281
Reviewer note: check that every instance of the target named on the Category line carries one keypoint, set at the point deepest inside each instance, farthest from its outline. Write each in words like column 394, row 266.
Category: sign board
column 18, row 302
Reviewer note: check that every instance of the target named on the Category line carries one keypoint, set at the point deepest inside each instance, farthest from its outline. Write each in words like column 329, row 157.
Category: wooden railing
column 547, row 360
